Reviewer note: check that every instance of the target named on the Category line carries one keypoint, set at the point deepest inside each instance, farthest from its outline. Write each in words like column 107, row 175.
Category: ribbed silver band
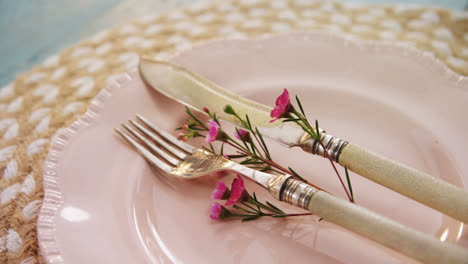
column 332, row 144
column 297, row 193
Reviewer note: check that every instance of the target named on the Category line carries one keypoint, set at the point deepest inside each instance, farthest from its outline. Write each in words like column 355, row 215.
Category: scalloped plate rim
column 52, row 194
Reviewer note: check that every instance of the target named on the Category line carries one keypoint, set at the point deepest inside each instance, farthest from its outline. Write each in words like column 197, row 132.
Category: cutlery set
column 181, row 160
column 197, row 92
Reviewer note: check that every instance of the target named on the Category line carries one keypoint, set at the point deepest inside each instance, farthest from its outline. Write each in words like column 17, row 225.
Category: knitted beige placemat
column 52, row 95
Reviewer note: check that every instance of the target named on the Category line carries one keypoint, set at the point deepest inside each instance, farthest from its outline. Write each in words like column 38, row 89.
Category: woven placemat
column 52, row 95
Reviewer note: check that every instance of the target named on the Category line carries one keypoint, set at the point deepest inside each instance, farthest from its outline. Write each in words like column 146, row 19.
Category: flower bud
column 181, row 137
column 229, row 110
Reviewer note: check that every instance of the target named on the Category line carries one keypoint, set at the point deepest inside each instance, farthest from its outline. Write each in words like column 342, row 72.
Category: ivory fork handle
column 371, row 225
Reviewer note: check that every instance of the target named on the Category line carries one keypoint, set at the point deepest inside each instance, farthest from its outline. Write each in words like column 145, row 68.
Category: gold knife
column 197, row 92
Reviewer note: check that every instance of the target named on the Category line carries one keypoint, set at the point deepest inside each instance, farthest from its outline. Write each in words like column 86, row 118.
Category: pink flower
column 241, row 134
column 216, row 210
column 181, row 137
column 221, row 191
column 213, row 133
column 282, row 108
column 206, row 110
column 219, row 212
column 238, row 191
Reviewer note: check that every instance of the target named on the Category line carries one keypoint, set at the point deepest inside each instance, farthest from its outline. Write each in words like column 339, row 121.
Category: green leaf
column 296, row 175
column 237, row 156
column 248, row 122
column 222, row 149
column 280, row 215
column 252, row 145
column 300, row 105
column 243, row 209
column 251, row 161
column 255, row 199
column 274, row 207
column 212, row 149
column 194, row 118
column 246, row 161
column 242, row 139
column 228, row 109
column 306, row 129
column 317, row 129
column 246, row 204
column 349, row 183
column 250, row 218
column 313, row 135
column 291, row 120
column 254, row 196
column 263, row 144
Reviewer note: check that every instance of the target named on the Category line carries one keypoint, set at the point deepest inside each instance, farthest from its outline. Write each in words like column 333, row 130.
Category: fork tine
column 145, row 153
column 184, row 146
column 162, row 143
column 151, row 145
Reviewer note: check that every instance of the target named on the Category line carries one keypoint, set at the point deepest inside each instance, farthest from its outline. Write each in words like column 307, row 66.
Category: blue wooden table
column 33, row 30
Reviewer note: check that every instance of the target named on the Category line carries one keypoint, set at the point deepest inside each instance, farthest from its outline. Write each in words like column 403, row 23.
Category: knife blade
column 197, row 92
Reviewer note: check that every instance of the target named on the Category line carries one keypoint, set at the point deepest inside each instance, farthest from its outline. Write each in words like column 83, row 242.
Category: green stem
column 242, row 121
column 252, row 201
column 245, row 210
column 288, row 215
column 241, row 215
column 238, row 145
column 336, row 171
column 245, row 204
column 276, row 165
column 258, row 141
column 310, row 130
column 307, row 129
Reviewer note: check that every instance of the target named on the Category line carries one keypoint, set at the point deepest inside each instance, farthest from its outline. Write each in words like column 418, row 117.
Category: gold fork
column 179, row 159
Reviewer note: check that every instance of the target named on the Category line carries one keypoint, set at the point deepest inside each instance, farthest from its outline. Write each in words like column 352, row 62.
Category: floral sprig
column 284, row 109
column 244, row 205
column 251, row 150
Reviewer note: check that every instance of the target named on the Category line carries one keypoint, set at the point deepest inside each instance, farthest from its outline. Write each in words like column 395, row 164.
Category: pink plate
column 104, row 204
